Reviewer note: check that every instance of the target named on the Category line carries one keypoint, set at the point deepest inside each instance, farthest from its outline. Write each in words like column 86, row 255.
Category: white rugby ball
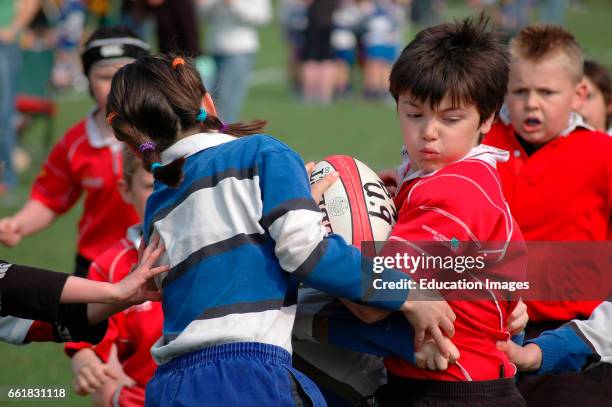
column 358, row 206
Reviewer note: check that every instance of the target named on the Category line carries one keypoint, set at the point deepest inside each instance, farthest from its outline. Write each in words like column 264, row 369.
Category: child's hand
column 518, row 319
column 389, row 178
column 318, row 188
column 430, row 357
column 91, row 377
column 135, row 287
column 526, row 358
column 430, row 314
column 10, row 232
column 90, row 373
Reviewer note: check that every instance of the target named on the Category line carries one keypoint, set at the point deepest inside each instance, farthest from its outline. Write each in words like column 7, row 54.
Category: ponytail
column 155, row 100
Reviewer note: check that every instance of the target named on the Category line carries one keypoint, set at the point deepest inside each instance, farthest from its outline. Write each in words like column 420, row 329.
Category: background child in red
column 557, row 181
column 87, row 159
column 125, row 350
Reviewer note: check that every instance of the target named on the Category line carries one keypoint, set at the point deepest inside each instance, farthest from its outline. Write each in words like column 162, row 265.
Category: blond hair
column 538, row 42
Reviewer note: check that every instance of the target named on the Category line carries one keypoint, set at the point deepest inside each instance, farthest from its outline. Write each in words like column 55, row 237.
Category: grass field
column 369, row 132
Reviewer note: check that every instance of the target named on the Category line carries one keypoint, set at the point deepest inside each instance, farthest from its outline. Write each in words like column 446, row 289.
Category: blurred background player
column 14, row 17
column 86, row 160
column 233, row 42
column 116, row 370
column 384, row 29
column 318, row 66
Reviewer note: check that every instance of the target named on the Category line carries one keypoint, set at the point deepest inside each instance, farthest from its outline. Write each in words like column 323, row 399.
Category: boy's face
column 437, row 137
column 594, row 109
column 138, row 192
column 541, row 96
column 100, row 77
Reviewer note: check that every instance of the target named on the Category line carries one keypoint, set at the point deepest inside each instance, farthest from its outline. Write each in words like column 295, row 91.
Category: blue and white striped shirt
column 238, row 227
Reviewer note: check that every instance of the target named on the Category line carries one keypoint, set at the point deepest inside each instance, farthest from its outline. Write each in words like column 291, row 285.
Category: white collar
column 193, row 144
column 94, row 135
column 134, row 235
column 575, row 121
column 481, row 152
column 609, row 131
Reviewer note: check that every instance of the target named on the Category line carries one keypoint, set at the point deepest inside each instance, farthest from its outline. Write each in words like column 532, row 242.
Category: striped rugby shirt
column 238, row 227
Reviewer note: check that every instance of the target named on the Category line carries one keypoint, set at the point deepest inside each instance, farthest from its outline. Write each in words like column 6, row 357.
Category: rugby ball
column 358, row 206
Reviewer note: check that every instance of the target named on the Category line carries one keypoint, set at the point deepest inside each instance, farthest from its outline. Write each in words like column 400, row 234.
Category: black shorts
column 590, row 388
column 317, row 45
column 402, row 392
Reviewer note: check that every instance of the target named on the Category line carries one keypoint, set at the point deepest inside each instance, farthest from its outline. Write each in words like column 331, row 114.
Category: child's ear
column 485, row 127
column 124, row 191
column 209, row 105
column 580, row 95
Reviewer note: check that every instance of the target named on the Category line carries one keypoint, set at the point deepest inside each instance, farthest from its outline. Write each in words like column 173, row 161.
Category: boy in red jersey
column 131, row 332
column 449, row 83
column 87, row 159
column 558, row 179
column 545, row 136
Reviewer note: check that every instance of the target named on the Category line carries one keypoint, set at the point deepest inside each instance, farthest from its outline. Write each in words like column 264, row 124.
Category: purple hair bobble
column 146, row 146
column 223, row 128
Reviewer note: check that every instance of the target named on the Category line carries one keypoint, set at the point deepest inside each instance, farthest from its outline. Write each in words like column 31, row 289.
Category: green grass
column 369, row 132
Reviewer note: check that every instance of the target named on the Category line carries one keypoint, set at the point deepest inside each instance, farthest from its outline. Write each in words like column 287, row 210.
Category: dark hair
column 152, row 101
column 540, row 41
column 464, row 60
column 599, row 75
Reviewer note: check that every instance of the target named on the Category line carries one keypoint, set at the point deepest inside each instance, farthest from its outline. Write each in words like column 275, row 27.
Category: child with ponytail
column 237, row 220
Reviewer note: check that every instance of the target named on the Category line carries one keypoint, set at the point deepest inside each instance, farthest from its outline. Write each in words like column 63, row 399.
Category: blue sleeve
column 392, row 336
column 302, row 245
column 563, row 350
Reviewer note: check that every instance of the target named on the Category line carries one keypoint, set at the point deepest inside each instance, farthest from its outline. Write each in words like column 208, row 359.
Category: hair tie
column 202, row 115
column 154, row 166
column 177, row 61
column 110, row 117
column 223, row 128
column 146, row 146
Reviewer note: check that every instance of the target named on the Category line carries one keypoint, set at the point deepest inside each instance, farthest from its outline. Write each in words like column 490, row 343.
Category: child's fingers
column 84, row 384
column 420, row 359
column 441, row 341
column 419, row 337
column 318, row 188
column 152, row 272
column 454, row 354
column 78, row 386
column 431, row 363
column 152, row 253
column 153, row 242
column 447, row 326
column 309, row 167
column 110, row 373
column 441, row 362
column 518, row 318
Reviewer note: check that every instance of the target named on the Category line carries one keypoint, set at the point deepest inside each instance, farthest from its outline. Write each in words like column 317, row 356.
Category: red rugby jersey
column 561, row 192
column 133, row 331
column 463, row 202
column 82, row 161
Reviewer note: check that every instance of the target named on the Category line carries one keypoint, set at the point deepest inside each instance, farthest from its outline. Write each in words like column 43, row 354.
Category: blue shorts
column 236, row 374
column 385, row 53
